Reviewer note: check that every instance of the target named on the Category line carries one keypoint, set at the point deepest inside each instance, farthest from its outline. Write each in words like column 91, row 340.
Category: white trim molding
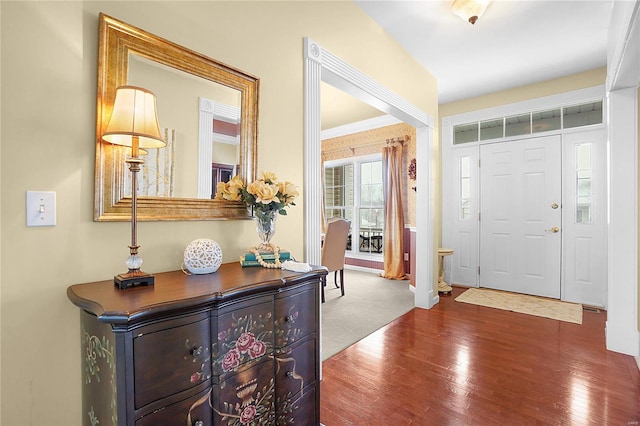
column 622, row 313
column 623, row 45
column 360, row 126
column 623, row 52
column 321, row 65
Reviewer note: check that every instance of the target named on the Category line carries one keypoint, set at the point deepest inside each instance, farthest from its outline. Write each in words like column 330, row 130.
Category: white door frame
column 321, row 65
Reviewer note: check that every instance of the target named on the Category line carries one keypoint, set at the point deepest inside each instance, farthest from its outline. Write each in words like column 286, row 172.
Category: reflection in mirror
column 208, row 113
column 218, row 144
column 194, row 113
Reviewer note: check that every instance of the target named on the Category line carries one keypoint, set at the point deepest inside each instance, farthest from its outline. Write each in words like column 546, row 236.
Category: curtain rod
column 401, row 140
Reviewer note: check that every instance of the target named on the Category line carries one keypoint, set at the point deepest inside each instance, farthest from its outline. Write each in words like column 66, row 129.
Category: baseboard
column 363, row 269
column 621, row 337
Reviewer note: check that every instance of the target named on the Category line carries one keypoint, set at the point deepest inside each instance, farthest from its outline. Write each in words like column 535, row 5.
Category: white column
column 312, row 152
column 425, row 295
column 622, row 313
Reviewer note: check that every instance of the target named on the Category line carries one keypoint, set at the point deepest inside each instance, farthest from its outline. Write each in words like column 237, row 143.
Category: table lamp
column 134, row 123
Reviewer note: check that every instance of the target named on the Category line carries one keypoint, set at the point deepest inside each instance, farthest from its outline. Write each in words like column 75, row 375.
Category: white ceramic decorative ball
column 202, row 256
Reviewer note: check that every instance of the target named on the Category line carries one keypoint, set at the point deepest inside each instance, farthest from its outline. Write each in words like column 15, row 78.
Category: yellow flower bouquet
column 265, row 197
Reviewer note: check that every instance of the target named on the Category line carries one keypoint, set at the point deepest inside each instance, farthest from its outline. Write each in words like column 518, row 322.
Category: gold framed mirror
column 208, row 112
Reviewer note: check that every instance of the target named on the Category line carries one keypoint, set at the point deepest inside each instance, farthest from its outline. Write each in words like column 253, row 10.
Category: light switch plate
column 41, row 208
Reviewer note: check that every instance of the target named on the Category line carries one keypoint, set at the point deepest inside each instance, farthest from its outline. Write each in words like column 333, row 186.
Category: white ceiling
column 514, row 43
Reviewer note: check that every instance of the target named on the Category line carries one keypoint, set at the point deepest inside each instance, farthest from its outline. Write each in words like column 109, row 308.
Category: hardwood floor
column 461, row 364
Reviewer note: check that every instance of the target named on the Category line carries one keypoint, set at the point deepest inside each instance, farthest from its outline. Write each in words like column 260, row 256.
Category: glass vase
column 266, row 227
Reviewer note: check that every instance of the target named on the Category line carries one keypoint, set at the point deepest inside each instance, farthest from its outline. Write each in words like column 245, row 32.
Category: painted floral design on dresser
column 286, row 405
column 286, row 409
column 99, row 350
column 199, row 356
column 255, row 408
column 286, row 329
column 246, row 339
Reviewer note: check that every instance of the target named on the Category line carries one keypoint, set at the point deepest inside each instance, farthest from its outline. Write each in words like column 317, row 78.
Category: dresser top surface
column 176, row 290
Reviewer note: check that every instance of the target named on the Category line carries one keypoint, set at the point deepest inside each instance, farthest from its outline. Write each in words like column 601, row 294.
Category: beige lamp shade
column 134, row 118
column 469, row 10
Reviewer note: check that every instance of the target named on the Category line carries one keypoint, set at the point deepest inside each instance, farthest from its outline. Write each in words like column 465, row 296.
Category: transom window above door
column 566, row 117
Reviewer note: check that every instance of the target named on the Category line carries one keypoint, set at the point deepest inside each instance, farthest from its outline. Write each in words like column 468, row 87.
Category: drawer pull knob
column 196, row 351
column 198, row 423
column 290, row 374
column 289, row 318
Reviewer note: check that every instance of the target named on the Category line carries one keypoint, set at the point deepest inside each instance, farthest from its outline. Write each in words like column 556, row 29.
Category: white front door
column 521, row 215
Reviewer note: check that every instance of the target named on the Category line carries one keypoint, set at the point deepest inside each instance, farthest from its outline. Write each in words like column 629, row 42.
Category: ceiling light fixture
column 469, row 10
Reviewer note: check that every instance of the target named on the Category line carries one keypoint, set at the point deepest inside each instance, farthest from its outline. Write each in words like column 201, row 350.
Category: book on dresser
column 240, row 343
column 249, row 259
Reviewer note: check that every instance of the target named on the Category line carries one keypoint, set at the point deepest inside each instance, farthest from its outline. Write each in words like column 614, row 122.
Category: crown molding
column 359, row 126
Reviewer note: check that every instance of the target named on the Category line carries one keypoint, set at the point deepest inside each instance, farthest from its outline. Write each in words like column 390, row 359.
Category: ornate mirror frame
column 117, row 40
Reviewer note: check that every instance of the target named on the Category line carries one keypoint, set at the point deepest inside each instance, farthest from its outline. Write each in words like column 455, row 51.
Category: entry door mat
column 524, row 304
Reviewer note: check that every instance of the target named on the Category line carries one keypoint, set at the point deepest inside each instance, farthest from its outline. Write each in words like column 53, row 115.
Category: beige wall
column 537, row 90
column 49, row 66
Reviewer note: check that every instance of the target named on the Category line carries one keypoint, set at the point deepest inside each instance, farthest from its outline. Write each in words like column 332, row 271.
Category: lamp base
column 133, row 278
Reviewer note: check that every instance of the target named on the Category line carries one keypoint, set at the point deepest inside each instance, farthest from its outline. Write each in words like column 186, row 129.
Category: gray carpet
column 369, row 303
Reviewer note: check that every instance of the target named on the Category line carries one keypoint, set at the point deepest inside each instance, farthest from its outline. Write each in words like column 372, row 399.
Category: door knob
column 554, row 229
column 554, row 206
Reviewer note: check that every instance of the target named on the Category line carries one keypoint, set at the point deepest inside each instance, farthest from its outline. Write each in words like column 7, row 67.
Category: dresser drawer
column 244, row 337
column 187, row 412
column 301, row 411
column 295, row 369
column 201, row 349
column 169, row 360
column 295, row 315
column 247, row 396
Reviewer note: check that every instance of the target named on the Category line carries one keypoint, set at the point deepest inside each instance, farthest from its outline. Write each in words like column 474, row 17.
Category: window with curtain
column 353, row 191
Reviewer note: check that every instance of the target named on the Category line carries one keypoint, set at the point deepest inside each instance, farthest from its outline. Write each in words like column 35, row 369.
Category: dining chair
column 333, row 251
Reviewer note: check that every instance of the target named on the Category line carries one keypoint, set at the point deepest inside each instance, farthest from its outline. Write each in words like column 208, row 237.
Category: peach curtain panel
column 393, row 212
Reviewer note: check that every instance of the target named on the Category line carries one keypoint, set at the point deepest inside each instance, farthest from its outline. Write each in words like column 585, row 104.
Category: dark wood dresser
column 236, row 347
